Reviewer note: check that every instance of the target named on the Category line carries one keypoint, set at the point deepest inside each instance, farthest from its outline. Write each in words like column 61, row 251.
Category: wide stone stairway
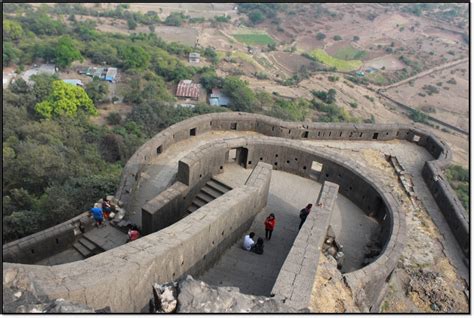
column 211, row 191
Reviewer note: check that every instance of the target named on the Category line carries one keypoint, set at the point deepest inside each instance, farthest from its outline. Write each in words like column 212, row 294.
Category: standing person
column 248, row 241
column 304, row 213
column 270, row 222
column 98, row 215
column 106, row 208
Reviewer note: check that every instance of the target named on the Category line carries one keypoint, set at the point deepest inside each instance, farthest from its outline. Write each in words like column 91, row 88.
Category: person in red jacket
column 269, row 226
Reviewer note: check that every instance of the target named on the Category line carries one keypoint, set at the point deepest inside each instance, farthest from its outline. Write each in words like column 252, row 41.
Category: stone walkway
column 288, row 194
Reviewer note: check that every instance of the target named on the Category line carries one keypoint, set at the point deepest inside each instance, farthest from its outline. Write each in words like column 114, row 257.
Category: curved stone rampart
column 121, row 278
column 439, row 187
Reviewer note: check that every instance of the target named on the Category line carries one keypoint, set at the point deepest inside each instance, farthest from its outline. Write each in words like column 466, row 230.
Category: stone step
column 192, row 208
column 211, row 192
column 87, row 244
column 199, row 202
column 216, row 185
column 82, row 250
column 222, row 184
column 205, row 197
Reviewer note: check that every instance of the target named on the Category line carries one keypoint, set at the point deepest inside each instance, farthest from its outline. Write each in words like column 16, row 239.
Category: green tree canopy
column 134, row 57
column 11, row 30
column 97, row 90
column 243, row 98
column 66, row 52
column 65, row 99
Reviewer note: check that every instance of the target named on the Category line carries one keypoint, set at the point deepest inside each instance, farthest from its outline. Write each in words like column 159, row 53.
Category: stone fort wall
column 432, row 172
column 122, row 277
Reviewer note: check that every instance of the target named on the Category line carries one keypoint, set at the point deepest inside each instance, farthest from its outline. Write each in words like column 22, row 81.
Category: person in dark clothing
column 269, row 226
column 304, row 214
column 258, row 247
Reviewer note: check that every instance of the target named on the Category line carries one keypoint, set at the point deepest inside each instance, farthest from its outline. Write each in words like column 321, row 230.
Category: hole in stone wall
column 386, row 133
column 360, row 135
column 289, row 131
column 192, row 132
column 57, row 241
column 288, row 161
column 233, row 126
column 324, row 134
column 212, row 242
column 261, row 158
column 273, row 128
column 319, row 133
column 375, row 136
column 398, row 133
column 304, row 167
column 210, row 123
column 350, row 188
column 182, row 263
column 296, row 159
column 200, row 176
column 340, row 134
column 327, row 175
column 222, row 233
column 221, row 167
column 276, row 163
column 174, row 274
column 159, row 149
column 32, row 251
column 250, row 162
column 350, row 135
column 276, row 156
column 329, row 134
column 305, row 134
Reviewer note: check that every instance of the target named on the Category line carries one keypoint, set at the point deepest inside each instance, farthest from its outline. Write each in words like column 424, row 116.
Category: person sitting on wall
column 304, row 214
column 98, row 215
column 270, row 222
column 248, row 241
column 258, row 248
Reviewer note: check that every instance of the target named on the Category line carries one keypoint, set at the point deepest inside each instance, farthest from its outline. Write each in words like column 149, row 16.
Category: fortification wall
column 294, row 283
column 121, row 278
column 297, row 130
column 35, row 247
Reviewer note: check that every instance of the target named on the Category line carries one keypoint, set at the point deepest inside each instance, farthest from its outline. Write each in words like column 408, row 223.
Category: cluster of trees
column 258, row 12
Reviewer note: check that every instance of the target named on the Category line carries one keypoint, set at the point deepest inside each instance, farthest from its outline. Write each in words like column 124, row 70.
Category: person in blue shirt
column 98, row 215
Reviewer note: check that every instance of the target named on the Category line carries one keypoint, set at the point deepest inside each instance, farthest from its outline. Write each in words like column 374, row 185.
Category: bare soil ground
column 390, row 62
column 291, row 61
column 451, row 104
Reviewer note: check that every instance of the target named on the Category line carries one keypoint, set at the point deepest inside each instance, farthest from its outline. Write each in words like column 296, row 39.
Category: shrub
column 353, row 104
column 320, row 36
column 337, row 38
column 114, row 118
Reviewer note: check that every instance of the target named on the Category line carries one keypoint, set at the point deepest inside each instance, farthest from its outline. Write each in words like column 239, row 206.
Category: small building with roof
column 217, row 98
column 188, row 89
column 111, row 74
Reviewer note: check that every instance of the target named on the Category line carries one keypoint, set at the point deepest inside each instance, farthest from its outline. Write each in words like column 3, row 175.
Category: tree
column 12, row 31
column 174, row 19
column 337, row 38
column 97, row 90
column 355, row 38
column 256, row 16
column 132, row 24
column 320, row 36
column 65, row 99
column 134, row 56
column 66, row 52
column 243, row 98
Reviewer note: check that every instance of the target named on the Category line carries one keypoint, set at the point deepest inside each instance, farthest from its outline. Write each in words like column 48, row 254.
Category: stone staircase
column 211, row 191
column 87, row 247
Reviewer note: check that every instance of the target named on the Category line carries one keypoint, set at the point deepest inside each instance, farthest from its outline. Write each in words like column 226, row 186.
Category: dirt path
column 425, row 73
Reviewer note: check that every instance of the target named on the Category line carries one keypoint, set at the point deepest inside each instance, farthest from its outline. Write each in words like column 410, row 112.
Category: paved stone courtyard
column 288, row 194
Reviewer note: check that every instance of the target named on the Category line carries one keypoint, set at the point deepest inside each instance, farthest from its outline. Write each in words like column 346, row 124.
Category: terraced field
column 339, row 64
column 254, row 38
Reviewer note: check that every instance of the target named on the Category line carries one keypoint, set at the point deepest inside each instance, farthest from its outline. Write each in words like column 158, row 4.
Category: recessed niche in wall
column 375, row 136
column 192, row 132
column 316, row 166
column 159, row 149
column 233, row 126
column 232, row 155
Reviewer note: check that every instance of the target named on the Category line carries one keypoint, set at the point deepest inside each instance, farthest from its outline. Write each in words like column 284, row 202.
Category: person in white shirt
column 248, row 241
